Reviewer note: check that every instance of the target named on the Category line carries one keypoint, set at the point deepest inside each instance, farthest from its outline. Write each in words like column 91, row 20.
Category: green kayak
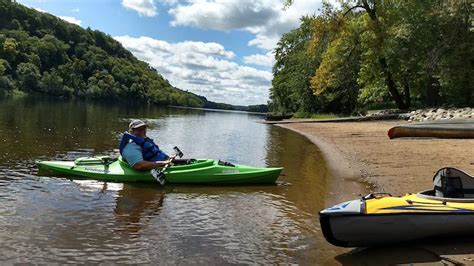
column 203, row 171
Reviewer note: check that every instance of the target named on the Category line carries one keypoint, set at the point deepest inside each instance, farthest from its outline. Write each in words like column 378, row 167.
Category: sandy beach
column 363, row 150
column 363, row 159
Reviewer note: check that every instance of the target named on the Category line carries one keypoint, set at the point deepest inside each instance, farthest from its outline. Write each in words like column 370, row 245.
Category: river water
column 58, row 220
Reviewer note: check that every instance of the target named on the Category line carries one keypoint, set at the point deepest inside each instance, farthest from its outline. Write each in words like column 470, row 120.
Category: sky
column 220, row 49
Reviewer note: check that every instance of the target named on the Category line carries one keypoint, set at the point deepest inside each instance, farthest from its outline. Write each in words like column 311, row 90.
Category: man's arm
column 132, row 153
column 147, row 165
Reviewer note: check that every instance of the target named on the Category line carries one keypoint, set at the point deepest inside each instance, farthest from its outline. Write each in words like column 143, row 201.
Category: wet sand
column 363, row 150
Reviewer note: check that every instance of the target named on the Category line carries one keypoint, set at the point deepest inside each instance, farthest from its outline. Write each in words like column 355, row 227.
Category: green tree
column 48, row 55
column 52, row 52
column 103, row 85
column 6, row 83
column 72, row 74
column 28, row 76
column 3, row 66
column 292, row 71
column 408, row 52
column 377, row 46
column 52, row 83
column 8, row 48
column 339, row 49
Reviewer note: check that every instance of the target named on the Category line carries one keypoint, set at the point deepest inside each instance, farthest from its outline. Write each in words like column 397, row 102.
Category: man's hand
column 164, row 162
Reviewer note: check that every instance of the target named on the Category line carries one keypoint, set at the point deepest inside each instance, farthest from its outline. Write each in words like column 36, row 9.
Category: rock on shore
column 441, row 114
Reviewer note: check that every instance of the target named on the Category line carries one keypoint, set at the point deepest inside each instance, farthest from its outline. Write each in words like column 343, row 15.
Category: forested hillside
column 373, row 54
column 40, row 53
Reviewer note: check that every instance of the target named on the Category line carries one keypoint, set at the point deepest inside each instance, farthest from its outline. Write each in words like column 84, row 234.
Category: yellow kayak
column 379, row 219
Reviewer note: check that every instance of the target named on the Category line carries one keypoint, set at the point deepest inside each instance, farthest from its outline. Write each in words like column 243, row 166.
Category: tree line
column 376, row 54
column 40, row 53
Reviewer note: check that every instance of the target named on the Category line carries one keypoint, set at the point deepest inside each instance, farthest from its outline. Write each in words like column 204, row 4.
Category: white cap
column 136, row 123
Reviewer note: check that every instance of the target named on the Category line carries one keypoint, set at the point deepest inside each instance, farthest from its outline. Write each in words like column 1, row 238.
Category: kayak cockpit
column 451, row 185
column 431, row 195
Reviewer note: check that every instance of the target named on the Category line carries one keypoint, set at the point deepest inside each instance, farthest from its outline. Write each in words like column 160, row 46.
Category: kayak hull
column 387, row 220
column 453, row 129
column 199, row 172
column 366, row 231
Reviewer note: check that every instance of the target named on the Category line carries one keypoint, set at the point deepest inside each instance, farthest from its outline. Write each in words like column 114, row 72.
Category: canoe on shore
column 272, row 117
column 456, row 129
column 202, row 172
column 379, row 219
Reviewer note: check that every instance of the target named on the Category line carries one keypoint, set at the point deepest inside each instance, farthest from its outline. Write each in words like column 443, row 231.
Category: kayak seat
column 453, row 183
column 225, row 163
column 175, row 161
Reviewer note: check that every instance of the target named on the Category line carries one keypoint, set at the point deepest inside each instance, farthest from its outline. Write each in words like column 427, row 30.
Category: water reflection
column 136, row 205
column 60, row 220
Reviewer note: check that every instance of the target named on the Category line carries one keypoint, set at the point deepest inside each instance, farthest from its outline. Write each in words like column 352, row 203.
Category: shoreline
column 341, row 171
column 362, row 151
column 330, row 153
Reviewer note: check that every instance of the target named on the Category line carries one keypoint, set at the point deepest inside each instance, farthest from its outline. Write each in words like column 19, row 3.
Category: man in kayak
column 139, row 151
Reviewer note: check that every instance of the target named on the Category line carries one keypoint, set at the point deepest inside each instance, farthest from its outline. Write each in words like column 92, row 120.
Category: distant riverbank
column 217, row 110
column 362, row 149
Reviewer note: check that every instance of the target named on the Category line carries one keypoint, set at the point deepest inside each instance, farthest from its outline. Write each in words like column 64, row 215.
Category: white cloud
column 40, row 10
column 204, row 68
column 223, row 14
column 145, row 8
column 75, row 10
column 265, row 18
column 169, row 2
column 72, row 20
column 66, row 18
column 266, row 60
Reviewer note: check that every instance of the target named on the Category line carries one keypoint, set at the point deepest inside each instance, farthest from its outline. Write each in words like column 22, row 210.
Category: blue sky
column 221, row 49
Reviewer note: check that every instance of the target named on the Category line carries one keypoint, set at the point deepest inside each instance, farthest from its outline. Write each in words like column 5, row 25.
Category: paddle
column 159, row 175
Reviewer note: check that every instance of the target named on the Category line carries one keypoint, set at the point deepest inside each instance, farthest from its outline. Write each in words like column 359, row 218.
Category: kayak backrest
column 453, row 183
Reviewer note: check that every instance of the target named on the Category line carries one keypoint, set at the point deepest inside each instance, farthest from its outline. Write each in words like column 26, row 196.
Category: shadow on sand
column 446, row 251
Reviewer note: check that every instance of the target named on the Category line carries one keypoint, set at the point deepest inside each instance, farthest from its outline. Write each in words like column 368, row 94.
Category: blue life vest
column 150, row 151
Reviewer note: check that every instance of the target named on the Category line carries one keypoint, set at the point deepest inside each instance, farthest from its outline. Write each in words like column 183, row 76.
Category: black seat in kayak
column 453, row 183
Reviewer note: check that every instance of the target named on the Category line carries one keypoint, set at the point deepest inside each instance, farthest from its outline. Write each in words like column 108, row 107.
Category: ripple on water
column 63, row 221
column 58, row 220
column 233, row 226
column 55, row 220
